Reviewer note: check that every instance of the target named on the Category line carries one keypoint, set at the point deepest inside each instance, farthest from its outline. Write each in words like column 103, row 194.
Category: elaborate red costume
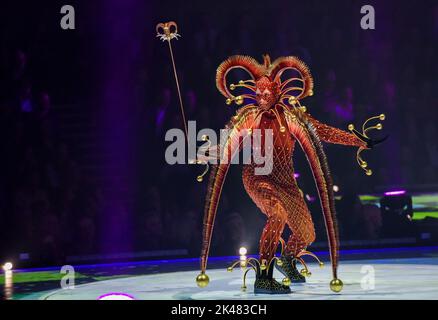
column 276, row 105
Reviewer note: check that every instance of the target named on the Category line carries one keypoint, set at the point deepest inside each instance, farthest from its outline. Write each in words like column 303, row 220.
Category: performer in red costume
column 276, row 105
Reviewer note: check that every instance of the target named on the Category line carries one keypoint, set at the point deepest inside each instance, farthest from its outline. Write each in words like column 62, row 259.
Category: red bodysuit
column 278, row 195
column 276, row 105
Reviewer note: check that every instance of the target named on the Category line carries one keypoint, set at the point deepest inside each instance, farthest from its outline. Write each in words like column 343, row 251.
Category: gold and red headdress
column 291, row 89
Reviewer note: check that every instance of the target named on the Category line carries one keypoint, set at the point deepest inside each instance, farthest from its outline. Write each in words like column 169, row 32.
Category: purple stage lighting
column 116, row 296
column 395, row 193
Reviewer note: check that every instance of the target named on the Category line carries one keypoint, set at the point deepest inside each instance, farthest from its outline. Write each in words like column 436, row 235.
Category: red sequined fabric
column 276, row 193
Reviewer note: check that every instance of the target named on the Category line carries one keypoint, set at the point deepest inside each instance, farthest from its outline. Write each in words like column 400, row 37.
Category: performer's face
column 267, row 93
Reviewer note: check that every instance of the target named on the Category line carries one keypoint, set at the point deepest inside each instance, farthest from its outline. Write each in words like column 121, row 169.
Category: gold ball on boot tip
column 202, row 280
column 305, row 272
column 336, row 285
column 286, row 281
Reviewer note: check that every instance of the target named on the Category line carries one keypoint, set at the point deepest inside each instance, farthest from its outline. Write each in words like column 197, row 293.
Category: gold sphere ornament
column 249, row 131
column 364, row 164
column 382, row 116
column 279, row 263
column 286, row 282
column 204, row 137
column 306, row 272
column 310, row 93
column 199, row 178
column 379, row 126
column 202, row 280
column 321, row 264
column 228, row 101
column 351, row 127
column 239, row 100
column 369, row 172
column 336, row 285
column 292, row 100
column 282, row 129
column 303, row 108
column 232, row 86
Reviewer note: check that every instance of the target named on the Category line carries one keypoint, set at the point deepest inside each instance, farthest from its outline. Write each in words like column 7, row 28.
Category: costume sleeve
column 334, row 135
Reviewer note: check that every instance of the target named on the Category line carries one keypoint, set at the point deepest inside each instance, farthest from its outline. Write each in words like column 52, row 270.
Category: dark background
column 83, row 115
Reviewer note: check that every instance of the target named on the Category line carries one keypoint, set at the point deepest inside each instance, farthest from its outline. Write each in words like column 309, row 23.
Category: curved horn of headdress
column 246, row 63
column 293, row 63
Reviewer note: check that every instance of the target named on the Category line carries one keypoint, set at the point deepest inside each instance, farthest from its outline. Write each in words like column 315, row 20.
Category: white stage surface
column 393, row 279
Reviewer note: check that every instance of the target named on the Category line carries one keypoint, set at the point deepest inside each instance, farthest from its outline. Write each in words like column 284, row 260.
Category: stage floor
column 407, row 278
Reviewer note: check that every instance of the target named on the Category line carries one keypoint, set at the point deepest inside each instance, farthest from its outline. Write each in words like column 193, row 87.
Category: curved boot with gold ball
column 288, row 268
column 266, row 284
